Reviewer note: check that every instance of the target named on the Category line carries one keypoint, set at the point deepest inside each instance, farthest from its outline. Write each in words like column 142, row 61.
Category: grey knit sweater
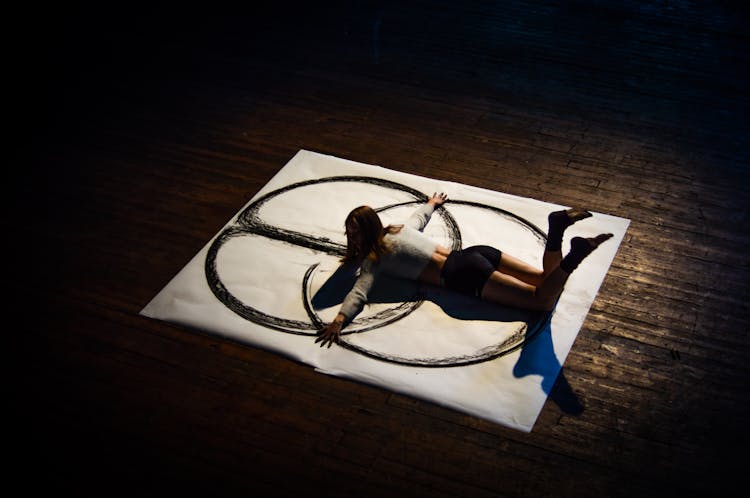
column 411, row 251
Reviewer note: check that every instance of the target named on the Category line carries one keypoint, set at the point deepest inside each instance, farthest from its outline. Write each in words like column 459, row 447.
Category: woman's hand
column 437, row 199
column 331, row 333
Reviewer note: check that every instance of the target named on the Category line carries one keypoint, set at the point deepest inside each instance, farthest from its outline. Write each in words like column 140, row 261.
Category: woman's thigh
column 520, row 270
column 508, row 290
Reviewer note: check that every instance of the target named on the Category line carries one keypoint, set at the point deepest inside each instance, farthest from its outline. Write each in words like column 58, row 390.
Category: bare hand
column 329, row 334
column 438, row 199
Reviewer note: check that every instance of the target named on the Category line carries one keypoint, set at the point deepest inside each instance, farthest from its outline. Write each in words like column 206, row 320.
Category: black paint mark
column 234, row 304
column 248, row 222
column 512, row 343
column 540, row 235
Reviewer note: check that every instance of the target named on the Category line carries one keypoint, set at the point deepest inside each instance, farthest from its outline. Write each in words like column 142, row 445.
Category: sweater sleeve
column 357, row 297
column 419, row 218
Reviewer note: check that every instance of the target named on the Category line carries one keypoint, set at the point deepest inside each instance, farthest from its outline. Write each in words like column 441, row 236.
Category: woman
column 483, row 271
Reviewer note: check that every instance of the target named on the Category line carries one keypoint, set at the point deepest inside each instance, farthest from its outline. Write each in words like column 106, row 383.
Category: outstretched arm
column 419, row 218
column 352, row 305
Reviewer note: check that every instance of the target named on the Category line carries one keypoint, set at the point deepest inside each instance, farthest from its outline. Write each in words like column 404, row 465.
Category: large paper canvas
column 271, row 277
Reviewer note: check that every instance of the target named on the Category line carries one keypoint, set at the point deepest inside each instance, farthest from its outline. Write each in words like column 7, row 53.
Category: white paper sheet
column 265, row 280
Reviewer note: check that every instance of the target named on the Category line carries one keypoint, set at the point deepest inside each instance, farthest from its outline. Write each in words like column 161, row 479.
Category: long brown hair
column 364, row 236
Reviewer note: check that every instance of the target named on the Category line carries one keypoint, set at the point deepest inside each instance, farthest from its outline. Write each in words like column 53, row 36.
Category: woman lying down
column 485, row 272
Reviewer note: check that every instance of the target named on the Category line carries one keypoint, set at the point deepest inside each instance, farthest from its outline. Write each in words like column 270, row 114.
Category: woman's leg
column 514, row 267
column 506, row 289
column 558, row 222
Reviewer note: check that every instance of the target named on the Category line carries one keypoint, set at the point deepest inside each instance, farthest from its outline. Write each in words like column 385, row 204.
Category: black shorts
column 467, row 270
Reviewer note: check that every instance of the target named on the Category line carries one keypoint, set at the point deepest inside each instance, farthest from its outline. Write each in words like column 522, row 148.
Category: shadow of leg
column 538, row 358
column 563, row 395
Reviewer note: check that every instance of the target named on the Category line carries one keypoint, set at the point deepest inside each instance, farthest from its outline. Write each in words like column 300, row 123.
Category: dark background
column 135, row 133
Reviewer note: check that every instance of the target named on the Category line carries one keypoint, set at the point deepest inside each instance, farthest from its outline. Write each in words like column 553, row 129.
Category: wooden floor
column 136, row 136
